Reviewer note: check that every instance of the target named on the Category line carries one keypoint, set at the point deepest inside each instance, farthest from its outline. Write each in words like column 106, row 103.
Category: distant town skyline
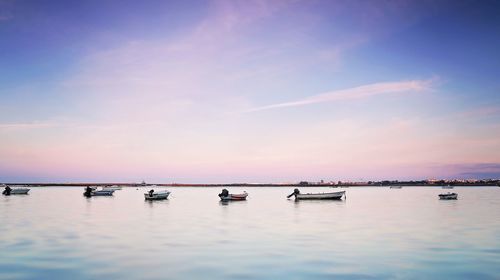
column 249, row 91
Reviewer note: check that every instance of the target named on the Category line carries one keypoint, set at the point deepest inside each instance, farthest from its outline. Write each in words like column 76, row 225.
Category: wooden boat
column 446, row 196
column 226, row 196
column 156, row 195
column 317, row 196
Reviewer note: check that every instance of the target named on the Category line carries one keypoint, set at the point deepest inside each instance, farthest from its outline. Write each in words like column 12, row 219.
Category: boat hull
column 319, row 196
column 156, row 196
column 448, row 196
column 102, row 193
column 234, row 197
column 112, row 188
column 19, row 191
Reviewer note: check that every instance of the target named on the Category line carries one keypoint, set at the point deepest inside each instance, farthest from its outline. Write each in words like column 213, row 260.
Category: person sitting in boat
column 7, row 190
column 224, row 193
column 151, row 193
column 88, row 192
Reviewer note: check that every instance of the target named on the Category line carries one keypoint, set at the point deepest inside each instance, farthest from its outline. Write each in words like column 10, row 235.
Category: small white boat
column 446, row 196
column 89, row 191
column 317, row 196
column 226, row 196
column 102, row 192
column 447, row 187
column 156, row 195
column 114, row 188
column 20, row 191
column 9, row 191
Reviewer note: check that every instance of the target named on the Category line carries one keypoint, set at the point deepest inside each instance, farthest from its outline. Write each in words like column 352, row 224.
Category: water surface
column 376, row 233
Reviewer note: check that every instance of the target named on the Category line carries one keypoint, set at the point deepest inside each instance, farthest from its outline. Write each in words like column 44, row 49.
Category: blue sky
column 248, row 91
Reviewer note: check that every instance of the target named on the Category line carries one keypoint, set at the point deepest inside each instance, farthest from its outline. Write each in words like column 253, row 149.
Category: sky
column 248, row 91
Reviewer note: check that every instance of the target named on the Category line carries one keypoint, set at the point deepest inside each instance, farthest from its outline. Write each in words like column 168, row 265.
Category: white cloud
column 210, row 69
column 360, row 92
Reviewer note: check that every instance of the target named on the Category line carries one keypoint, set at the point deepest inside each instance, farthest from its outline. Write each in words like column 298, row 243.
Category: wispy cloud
column 27, row 125
column 480, row 112
column 210, row 68
column 360, row 92
column 489, row 170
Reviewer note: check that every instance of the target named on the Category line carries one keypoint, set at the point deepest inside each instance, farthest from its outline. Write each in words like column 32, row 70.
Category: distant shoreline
column 491, row 183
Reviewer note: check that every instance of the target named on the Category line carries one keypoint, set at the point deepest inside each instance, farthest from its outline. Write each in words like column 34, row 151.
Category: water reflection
column 151, row 203
column 377, row 234
column 228, row 202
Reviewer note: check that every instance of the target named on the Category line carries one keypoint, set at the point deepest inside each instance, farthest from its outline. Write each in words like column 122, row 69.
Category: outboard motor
column 224, row 193
column 151, row 193
column 295, row 192
column 88, row 192
column 7, row 191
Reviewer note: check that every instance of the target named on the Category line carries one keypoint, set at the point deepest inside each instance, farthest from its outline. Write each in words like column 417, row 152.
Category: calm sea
column 376, row 233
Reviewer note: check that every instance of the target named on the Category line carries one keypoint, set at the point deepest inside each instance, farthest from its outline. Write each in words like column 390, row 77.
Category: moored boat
column 395, row 187
column 317, row 196
column 114, row 188
column 446, row 196
column 159, row 195
column 226, row 196
column 10, row 191
column 447, row 187
column 102, row 192
column 20, row 191
column 89, row 191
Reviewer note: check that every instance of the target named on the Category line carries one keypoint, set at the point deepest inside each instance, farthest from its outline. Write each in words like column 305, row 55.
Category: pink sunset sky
column 248, row 91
